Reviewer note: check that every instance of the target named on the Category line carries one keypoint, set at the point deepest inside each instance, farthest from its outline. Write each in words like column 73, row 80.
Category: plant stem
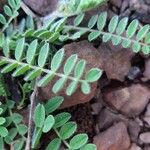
column 9, row 21
column 65, row 142
column 86, row 29
column 30, row 122
column 41, row 69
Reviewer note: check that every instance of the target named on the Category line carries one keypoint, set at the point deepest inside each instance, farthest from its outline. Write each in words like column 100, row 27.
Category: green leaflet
column 78, row 141
column 57, row 60
column 122, row 25
column 9, row 68
column 93, row 75
column 70, row 63
column 53, row 104
column 101, row 21
column 20, row 70
column 59, row 85
column 85, row 87
column 3, row 131
column 44, row 52
column 89, row 147
column 31, row 51
column 22, row 129
column 39, row 115
column 71, row 88
column 132, row 28
column 2, row 19
column 67, row 130
column 113, row 24
column 19, row 144
column 48, row 123
column 92, row 22
column 78, row 19
column 19, row 49
column 2, row 120
column 142, row 32
column 54, row 144
column 46, row 79
column 79, row 68
column 8, row 10
column 94, row 35
column 61, row 119
column 32, row 75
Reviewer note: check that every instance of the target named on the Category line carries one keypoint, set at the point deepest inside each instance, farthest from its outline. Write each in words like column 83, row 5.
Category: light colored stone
column 114, row 138
column 145, row 137
column 135, row 147
column 128, row 100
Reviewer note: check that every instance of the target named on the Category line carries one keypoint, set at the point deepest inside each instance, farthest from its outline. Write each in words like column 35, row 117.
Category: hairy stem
column 65, row 142
column 9, row 21
column 30, row 122
column 86, row 29
column 42, row 69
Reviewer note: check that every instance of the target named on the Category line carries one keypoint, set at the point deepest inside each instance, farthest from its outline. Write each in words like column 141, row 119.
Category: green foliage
column 60, row 124
column 12, row 129
column 3, row 89
column 69, row 7
column 22, row 65
column 119, row 31
column 31, row 53
column 11, row 11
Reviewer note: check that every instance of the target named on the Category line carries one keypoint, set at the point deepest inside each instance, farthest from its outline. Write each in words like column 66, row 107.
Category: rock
column 134, row 72
column 86, row 51
column 131, row 101
column 145, row 137
column 115, row 61
column 107, row 118
column 147, row 115
column 147, row 69
column 147, row 2
column 135, row 147
column 139, row 121
column 116, row 3
column 134, row 130
column 147, row 120
column 114, row 138
column 42, row 7
column 147, row 148
column 2, row 4
column 96, row 108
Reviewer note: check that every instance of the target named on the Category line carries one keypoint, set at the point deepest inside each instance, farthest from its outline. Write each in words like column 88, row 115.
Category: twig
column 30, row 126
